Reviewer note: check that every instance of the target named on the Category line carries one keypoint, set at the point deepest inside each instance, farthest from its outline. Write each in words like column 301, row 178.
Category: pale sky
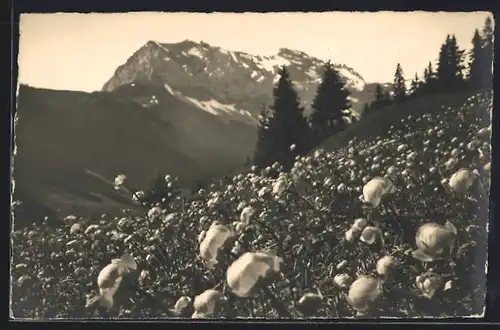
column 74, row 51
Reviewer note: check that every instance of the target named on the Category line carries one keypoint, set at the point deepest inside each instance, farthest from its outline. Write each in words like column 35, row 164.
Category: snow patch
column 269, row 63
column 195, row 52
column 311, row 73
column 233, row 56
column 185, row 69
column 213, row 106
column 166, row 59
column 352, row 80
column 160, row 46
column 254, row 74
column 260, row 79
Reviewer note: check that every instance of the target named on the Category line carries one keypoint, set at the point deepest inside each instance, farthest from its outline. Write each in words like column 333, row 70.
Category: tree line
column 286, row 133
column 452, row 73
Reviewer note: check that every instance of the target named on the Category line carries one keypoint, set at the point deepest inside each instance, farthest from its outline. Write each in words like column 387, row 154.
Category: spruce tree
column 379, row 97
column 456, row 57
column 487, row 46
column 328, row 105
column 399, row 84
column 286, row 126
column 429, row 85
column 476, row 64
column 449, row 72
column 415, row 86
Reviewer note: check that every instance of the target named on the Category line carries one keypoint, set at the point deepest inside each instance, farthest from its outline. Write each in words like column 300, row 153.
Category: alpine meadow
column 241, row 178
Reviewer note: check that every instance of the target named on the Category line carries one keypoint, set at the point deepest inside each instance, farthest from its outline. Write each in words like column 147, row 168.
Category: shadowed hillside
column 71, row 145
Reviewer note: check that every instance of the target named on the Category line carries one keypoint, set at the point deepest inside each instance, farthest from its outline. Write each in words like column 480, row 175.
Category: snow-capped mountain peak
column 222, row 80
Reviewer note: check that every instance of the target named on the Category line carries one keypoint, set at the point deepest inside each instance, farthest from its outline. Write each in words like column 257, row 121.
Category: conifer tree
column 487, row 45
column 429, row 85
column 328, row 105
column 476, row 64
column 415, row 86
column 286, row 126
column 399, row 84
column 449, row 72
column 379, row 97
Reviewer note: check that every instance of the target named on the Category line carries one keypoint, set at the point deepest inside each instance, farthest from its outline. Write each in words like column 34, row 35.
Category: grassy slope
column 378, row 123
column 60, row 135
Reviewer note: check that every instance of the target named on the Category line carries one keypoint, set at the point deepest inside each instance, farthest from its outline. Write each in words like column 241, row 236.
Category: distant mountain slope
column 236, row 79
column 63, row 137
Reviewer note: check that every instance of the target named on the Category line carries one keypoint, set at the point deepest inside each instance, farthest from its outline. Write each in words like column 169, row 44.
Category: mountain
column 227, row 82
column 188, row 109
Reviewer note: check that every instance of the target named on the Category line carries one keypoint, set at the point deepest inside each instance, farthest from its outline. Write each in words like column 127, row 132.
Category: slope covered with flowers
column 392, row 226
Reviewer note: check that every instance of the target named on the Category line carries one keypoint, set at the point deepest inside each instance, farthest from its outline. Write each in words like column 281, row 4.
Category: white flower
column 461, row 180
column 374, row 189
column 342, row 280
column 111, row 276
column 22, row 279
column 241, row 206
column 250, row 269
column 309, row 303
column 246, row 215
column 155, row 213
column 216, row 239
column 119, row 180
column 484, row 132
column 197, row 315
column 392, row 170
column 236, row 248
column 359, row 224
column 207, row 302
column 75, row 229
column 138, row 196
column 144, row 275
column 239, row 227
column 279, row 186
column 351, row 235
column 428, row 284
column 401, row 148
column 341, row 264
column 263, row 191
column 201, row 236
column 183, row 304
column 434, row 241
column 70, row 219
column 386, row 265
column 451, row 163
column 91, row 228
column 364, row 293
column 370, row 235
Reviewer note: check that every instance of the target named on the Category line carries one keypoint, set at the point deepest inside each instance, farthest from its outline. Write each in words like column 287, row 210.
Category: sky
column 75, row 51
